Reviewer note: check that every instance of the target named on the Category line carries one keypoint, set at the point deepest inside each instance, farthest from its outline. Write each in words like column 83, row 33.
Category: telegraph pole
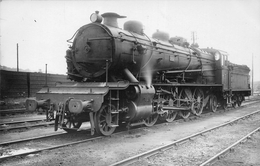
column 252, row 74
column 17, row 49
column 46, row 82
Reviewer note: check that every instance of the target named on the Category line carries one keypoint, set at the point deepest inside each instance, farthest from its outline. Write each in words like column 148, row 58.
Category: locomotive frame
column 112, row 85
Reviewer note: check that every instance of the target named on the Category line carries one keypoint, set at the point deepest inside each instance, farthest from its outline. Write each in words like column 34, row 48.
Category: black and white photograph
column 129, row 83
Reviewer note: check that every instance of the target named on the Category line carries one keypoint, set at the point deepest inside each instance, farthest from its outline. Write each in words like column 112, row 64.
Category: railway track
column 63, row 132
column 6, row 126
column 49, row 148
column 76, row 142
column 10, row 122
column 23, row 110
column 25, row 123
column 229, row 148
column 14, row 111
column 41, row 138
column 160, row 149
column 32, row 138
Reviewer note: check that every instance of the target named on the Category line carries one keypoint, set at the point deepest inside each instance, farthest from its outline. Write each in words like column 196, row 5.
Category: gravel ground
column 244, row 154
column 21, row 117
column 25, row 133
column 117, row 147
column 202, row 148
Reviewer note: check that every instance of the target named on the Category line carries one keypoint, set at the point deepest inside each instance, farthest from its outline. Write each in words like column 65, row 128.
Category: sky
column 41, row 28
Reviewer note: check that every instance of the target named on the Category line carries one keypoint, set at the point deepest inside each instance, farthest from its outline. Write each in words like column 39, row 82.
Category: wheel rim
column 239, row 101
column 50, row 114
column 151, row 120
column 102, row 119
column 162, row 117
column 235, row 103
column 224, row 104
column 185, row 94
column 197, row 105
column 213, row 103
column 184, row 114
column 171, row 116
column 69, row 124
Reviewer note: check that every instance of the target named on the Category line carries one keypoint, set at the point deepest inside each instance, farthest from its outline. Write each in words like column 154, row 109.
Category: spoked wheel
column 161, row 116
column 50, row 114
column 197, row 105
column 184, row 114
column 102, row 119
column 235, row 101
column 171, row 116
column 70, row 125
column 151, row 120
column 171, row 113
column 185, row 101
column 213, row 103
column 224, row 104
column 239, row 100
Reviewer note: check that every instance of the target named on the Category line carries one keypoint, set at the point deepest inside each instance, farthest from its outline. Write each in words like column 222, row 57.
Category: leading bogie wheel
column 50, row 114
column 70, row 125
column 151, row 120
column 102, row 119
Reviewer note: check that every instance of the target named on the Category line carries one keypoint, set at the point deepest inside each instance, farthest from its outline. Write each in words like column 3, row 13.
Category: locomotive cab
column 234, row 78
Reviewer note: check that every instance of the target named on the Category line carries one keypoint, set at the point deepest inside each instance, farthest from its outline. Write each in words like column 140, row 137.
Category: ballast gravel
column 120, row 146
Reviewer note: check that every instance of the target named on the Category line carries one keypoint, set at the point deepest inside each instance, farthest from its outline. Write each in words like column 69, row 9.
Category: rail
column 217, row 156
column 157, row 150
column 146, row 154
column 25, row 126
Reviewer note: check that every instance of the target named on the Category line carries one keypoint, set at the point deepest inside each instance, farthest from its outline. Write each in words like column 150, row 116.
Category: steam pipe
column 129, row 75
column 106, row 72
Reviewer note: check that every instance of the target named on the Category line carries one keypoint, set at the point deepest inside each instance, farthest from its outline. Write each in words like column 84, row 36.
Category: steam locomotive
column 122, row 76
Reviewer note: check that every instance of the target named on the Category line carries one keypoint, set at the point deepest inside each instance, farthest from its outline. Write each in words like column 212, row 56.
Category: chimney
column 110, row 19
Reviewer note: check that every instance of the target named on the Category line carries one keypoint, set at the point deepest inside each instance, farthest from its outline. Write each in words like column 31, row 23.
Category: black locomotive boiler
column 124, row 76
